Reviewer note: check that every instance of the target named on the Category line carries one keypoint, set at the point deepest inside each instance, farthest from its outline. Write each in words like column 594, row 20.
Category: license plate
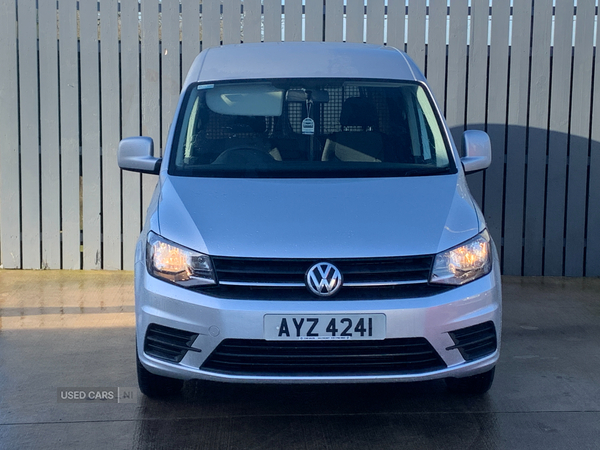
column 324, row 327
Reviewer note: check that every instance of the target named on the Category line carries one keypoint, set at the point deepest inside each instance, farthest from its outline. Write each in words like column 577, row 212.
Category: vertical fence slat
column 334, row 20
column 50, row 194
column 30, row 169
column 436, row 51
column 578, row 141
column 355, row 15
column 169, row 60
column 557, row 148
column 272, row 20
column 592, row 257
column 415, row 45
column 497, row 98
column 313, row 29
column 252, row 21
column 111, row 174
column 232, row 25
column 375, row 11
column 69, row 134
column 477, row 83
column 396, row 23
column 90, row 134
column 150, row 89
column 10, row 223
column 211, row 23
column 478, row 60
column 130, row 124
column 537, row 140
column 190, row 34
column 457, row 68
column 293, row 20
column 516, row 139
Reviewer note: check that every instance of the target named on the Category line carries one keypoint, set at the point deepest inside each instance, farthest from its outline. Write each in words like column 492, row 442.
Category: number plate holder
column 298, row 327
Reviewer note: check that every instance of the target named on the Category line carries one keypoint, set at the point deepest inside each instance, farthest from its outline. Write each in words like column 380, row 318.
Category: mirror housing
column 477, row 149
column 137, row 155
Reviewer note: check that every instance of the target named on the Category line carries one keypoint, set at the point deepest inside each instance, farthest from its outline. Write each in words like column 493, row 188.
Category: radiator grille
column 364, row 270
column 284, row 279
column 323, row 358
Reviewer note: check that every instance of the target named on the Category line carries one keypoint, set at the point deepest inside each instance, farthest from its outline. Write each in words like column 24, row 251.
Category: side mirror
column 477, row 149
column 136, row 154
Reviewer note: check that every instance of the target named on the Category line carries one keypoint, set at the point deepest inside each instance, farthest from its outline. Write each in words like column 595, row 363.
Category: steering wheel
column 243, row 156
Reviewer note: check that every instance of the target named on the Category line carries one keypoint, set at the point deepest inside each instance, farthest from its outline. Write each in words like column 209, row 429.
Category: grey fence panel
column 493, row 199
column 477, row 83
column 375, row 22
column 592, row 257
column 130, row 123
column 415, row 45
column 436, row 51
column 49, row 142
column 252, row 21
column 10, row 223
column 30, row 170
column 169, row 62
column 272, row 20
column 111, row 122
column 540, row 196
column 355, row 17
column 457, row 68
column 396, row 23
column 69, row 135
column 558, row 145
column 537, row 142
column 211, row 23
column 334, row 20
column 231, row 22
column 293, row 20
column 190, row 33
column 579, row 139
column 150, row 88
column 90, row 135
column 313, row 13
column 516, row 138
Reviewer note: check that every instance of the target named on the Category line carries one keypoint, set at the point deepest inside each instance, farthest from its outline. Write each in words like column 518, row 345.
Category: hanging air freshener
column 308, row 126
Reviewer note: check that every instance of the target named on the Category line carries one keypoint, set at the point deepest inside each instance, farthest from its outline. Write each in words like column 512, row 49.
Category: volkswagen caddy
column 312, row 224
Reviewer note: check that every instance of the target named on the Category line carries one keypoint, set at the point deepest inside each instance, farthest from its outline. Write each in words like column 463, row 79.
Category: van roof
column 302, row 60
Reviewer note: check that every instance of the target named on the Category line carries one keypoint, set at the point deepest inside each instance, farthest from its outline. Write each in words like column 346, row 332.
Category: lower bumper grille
column 168, row 344
column 475, row 342
column 323, row 358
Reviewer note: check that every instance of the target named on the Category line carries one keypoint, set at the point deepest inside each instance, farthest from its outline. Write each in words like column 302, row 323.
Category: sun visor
column 245, row 100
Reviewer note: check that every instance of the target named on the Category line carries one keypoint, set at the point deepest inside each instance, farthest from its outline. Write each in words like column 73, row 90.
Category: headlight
column 182, row 266
column 464, row 263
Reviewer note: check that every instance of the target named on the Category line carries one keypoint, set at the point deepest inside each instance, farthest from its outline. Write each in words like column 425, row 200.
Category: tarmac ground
column 72, row 331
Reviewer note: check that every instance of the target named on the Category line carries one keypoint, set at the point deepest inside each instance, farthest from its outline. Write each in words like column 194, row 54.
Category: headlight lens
column 171, row 262
column 464, row 263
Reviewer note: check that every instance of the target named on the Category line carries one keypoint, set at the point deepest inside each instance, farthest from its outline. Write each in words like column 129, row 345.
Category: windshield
column 309, row 128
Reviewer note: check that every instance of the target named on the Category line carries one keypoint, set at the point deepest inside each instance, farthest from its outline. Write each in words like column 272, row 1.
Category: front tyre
column 475, row 385
column 153, row 385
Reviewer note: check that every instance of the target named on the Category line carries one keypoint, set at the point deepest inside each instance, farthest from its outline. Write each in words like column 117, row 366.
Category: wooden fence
column 77, row 76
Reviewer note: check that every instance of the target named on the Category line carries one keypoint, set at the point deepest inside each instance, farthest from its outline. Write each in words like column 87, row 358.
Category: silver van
column 312, row 224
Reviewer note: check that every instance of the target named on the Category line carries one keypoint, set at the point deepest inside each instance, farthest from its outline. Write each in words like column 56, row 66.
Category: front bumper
column 216, row 319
